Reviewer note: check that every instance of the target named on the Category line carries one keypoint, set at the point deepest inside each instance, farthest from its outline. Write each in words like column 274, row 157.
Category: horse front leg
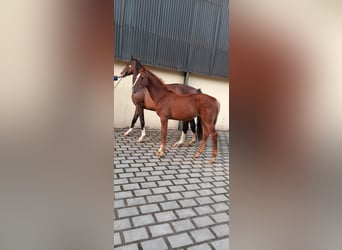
column 161, row 150
column 134, row 120
column 142, row 124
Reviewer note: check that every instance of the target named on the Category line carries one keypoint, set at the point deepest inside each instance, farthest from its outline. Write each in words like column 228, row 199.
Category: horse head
column 131, row 67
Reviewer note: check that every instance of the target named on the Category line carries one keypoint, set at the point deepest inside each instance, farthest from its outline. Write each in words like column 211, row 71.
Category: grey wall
column 184, row 35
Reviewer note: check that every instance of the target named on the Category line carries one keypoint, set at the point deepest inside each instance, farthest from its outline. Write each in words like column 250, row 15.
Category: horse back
column 182, row 89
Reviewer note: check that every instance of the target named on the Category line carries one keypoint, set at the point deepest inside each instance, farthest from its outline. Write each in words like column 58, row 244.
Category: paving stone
column 135, row 234
column 120, row 181
column 204, row 192
column 164, row 183
column 188, row 203
column 221, row 217
column 161, row 229
column 119, row 204
column 168, row 177
column 133, row 186
column 157, row 173
column 136, row 201
column 185, row 213
column 173, row 196
column 165, row 216
column 128, row 211
column 204, row 210
column 142, row 174
column 194, row 180
column 122, row 195
column 219, row 198
column 155, row 244
column 117, row 188
column 128, row 247
column 176, row 188
column 142, row 220
column 192, row 187
column 183, row 225
column 179, row 240
column 190, row 194
column 153, row 178
column 133, row 167
column 204, row 200
column 121, row 224
column 204, row 246
column 160, row 190
column 220, row 207
column 137, row 179
column 201, row 235
column 220, row 190
column 142, row 192
column 221, row 230
column 169, row 205
column 117, row 239
column 148, row 184
column 126, row 175
column 221, row 244
column 155, row 198
column 180, row 182
column 207, row 179
column 150, row 208
column 203, row 221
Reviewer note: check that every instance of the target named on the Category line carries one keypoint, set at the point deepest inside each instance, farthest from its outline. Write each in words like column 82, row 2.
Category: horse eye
column 129, row 65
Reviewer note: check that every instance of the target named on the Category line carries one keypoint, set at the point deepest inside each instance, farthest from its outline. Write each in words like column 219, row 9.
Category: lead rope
column 116, row 78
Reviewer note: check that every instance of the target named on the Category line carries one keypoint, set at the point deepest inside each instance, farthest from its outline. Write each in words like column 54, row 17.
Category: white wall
column 124, row 107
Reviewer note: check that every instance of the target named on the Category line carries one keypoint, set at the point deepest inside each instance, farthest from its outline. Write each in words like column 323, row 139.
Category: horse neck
column 156, row 88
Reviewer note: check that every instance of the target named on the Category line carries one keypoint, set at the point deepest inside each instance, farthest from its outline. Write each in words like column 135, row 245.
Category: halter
column 134, row 90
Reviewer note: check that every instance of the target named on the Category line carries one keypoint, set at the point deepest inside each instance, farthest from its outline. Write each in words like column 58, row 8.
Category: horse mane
column 165, row 86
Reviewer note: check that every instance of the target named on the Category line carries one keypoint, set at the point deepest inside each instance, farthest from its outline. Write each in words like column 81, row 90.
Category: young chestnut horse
column 143, row 100
column 170, row 105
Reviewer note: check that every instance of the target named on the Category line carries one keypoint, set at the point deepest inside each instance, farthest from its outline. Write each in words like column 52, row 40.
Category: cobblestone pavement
column 176, row 202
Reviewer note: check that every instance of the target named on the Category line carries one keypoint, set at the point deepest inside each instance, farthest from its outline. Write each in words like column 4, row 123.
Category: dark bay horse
column 170, row 105
column 143, row 100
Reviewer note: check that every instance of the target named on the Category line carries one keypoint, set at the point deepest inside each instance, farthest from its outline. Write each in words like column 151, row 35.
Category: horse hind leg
column 183, row 135
column 213, row 135
column 194, row 136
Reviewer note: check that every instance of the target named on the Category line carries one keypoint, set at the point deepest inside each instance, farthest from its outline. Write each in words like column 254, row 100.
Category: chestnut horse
column 143, row 100
column 170, row 105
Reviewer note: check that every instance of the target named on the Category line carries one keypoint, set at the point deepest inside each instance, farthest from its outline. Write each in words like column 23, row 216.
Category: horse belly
column 183, row 112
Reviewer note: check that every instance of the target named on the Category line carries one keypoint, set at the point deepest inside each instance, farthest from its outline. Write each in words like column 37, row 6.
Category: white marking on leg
column 193, row 139
column 181, row 140
column 128, row 131
column 143, row 134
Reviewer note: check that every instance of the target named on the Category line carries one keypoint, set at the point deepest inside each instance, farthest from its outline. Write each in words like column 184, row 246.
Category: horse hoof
column 197, row 154
column 176, row 145
column 139, row 140
column 212, row 160
column 190, row 143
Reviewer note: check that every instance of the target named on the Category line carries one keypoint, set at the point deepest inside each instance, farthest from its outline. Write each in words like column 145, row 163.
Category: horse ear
column 131, row 57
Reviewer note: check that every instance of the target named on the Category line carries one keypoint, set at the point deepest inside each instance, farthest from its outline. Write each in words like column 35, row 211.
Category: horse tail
column 199, row 129
column 199, row 91
column 218, row 111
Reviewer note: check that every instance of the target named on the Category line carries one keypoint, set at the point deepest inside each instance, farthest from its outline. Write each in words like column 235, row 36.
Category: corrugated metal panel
column 186, row 35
